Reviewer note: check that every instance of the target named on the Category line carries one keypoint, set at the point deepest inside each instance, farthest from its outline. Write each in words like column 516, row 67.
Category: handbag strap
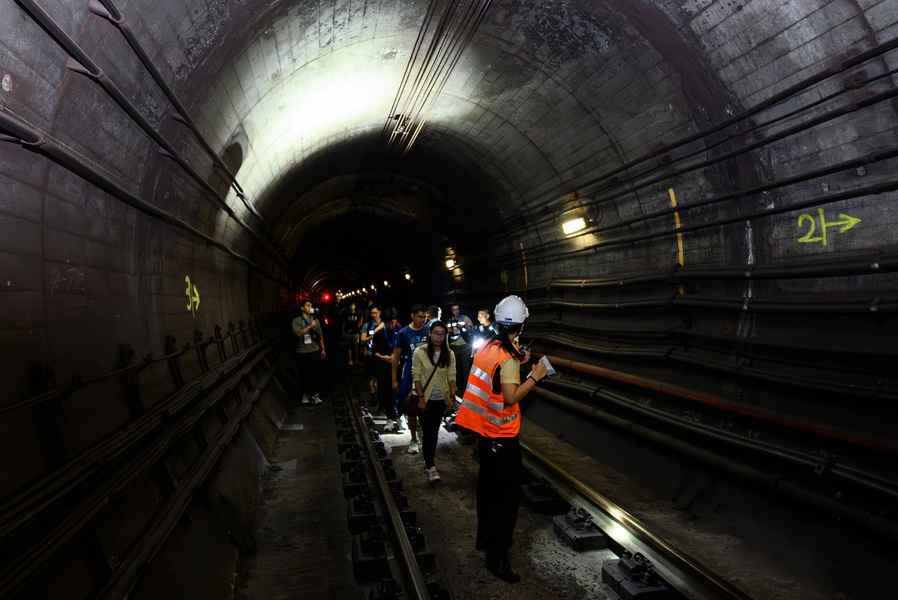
column 429, row 379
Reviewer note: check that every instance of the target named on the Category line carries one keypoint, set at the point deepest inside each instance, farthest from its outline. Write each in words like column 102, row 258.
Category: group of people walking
column 416, row 372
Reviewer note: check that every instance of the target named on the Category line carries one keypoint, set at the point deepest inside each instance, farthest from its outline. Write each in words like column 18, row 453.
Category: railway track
column 663, row 571
column 685, row 575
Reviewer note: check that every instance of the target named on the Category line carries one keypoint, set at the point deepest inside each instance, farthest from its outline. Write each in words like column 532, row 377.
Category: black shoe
column 502, row 570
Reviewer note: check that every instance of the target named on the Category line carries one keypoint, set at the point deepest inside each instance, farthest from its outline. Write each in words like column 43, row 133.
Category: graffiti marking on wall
column 818, row 228
column 193, row 296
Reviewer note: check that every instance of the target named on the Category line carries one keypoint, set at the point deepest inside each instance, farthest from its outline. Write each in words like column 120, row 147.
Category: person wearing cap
column 490, row 408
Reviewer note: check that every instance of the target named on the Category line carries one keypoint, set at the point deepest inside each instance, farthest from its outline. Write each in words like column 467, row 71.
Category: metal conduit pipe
column 833, row 266
column 866, row 479
column 741, row 303
column 753, row 131
column 107, row 10
column 862, row 161
column 706, row 399
column 822, row 383
column 876, row 189
column 742, row 133
column 82, row 63
column 849, row 63
column 810, row 124
column 40, row 143
column 767, row 481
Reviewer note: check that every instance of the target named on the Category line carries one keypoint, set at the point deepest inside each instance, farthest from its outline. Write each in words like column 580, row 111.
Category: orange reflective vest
column 481, row 410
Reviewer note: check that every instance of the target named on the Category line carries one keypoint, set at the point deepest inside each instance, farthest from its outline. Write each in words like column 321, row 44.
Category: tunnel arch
column 754, row 261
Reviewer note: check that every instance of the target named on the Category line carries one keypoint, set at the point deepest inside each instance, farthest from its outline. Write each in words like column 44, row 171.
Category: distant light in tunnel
column 450, row 263
column 573, row 226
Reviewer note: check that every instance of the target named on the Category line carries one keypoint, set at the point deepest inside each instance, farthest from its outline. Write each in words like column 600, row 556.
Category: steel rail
column 82, row 63
column 692, row 572
column 764, row 105
column 36, row 141
column 107, row 9
column 418, row 585
column 879, row 525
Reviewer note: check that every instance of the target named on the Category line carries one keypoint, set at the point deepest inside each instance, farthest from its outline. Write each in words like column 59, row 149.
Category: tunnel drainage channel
column 683, row 573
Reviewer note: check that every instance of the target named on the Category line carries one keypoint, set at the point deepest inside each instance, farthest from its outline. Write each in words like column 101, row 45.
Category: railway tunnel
column 696, row 199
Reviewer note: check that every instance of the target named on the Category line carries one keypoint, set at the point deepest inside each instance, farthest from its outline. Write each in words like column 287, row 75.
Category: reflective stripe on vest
column 482, row 410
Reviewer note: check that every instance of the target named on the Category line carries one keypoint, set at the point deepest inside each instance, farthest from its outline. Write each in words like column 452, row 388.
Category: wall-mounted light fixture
column 408, row 276
column 386, row 283
column 450, row 263
column 573, row 225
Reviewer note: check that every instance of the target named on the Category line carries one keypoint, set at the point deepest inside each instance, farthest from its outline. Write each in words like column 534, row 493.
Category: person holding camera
column 309, row 353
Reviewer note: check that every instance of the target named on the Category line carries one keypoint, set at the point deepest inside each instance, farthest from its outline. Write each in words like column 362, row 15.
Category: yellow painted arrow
column 845, row 222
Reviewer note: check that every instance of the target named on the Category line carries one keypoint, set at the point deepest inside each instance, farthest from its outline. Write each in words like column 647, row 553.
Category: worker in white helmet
column 490, row 408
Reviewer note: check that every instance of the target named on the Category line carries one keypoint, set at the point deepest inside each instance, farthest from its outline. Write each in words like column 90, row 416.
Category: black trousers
column 430, row 425
column 462, row 365
column 309, row 367
column 385, row 394
column 498, row 494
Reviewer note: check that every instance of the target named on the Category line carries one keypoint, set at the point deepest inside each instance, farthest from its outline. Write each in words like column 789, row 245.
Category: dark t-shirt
column 408, row 340
column 351, row 323
column 384, row 341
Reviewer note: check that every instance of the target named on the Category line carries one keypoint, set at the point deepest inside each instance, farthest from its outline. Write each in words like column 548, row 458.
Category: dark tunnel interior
column 696, row 199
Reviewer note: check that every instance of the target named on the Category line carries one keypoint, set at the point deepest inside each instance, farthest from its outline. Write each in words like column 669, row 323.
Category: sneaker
column 316, row 399
column 397, row 426
column 413, row 447
column 433, row 476
column 305, row 399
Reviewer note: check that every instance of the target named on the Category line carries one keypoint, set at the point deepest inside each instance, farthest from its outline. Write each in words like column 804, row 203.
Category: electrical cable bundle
column 447, row 30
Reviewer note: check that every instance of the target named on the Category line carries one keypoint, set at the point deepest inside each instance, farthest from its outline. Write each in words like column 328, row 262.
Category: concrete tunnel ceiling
column 545, row 94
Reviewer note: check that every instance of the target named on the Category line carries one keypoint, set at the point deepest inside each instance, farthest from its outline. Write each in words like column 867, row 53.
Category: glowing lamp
column 450, row 263
column 573, row 226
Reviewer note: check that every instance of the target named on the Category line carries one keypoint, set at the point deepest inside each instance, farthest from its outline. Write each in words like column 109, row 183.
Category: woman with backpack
column 433, row 372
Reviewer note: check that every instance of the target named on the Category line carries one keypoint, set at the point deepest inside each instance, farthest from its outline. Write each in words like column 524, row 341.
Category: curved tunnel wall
column 546, row 102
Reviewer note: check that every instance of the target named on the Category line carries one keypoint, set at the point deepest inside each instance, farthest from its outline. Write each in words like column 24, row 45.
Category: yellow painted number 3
column 843, row 223
column 193, row 296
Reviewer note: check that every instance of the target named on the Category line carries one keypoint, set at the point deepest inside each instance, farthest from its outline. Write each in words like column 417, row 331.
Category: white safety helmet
column 511, row 310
